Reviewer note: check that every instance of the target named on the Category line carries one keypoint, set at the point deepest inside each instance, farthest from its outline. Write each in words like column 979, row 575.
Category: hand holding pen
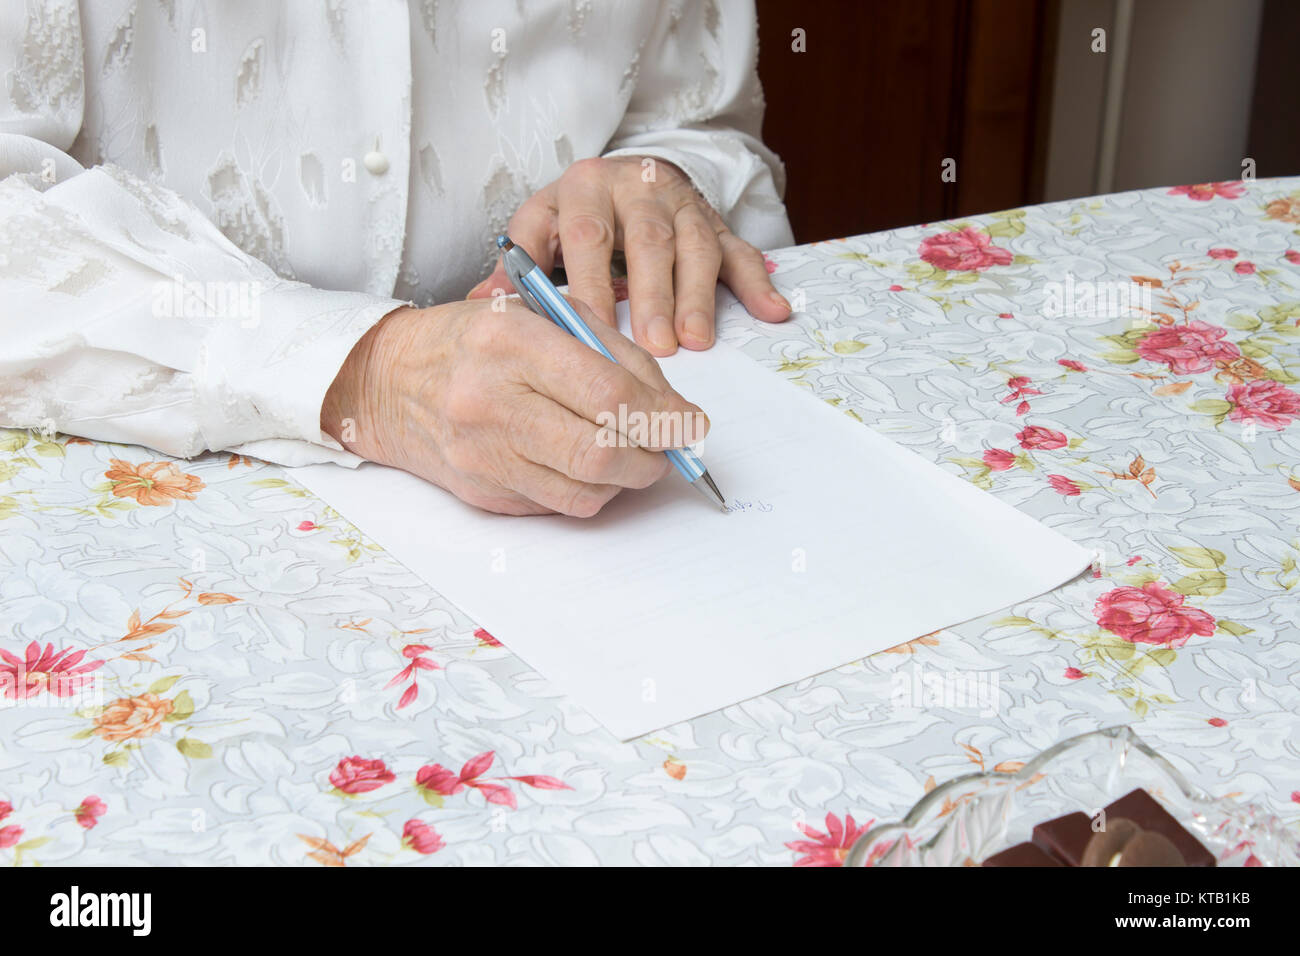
column 543, row 298
column 503, row 408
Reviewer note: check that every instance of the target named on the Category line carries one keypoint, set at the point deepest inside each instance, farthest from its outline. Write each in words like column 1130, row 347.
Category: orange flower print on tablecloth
column 829, row 848
column 327, row 854
column 152, row 482
column 129, row 718
column 1204, row 192
column 963, row 250
column 61, row 674
column 1284, row 209
column 1268, row 403
column 1151, row 614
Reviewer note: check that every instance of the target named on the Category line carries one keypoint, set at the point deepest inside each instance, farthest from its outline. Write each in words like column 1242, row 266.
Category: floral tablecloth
column 200, row 663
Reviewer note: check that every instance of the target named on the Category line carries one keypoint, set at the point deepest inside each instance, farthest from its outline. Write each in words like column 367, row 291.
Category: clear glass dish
column 971, row 817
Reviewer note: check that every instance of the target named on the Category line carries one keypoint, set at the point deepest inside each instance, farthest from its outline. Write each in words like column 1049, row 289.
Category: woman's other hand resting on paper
column 500, row 407
column 676, row 245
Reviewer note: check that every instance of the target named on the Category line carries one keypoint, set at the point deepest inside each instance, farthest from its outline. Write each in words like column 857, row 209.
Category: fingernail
column 474, row 291
column 780, row 300
column 699, row 327
column 660, row 333
column 698, row 426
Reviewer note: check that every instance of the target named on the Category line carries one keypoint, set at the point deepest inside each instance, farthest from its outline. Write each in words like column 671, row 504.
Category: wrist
column 352, row 406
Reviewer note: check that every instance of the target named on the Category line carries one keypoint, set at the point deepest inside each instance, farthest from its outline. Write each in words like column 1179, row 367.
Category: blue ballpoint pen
column 542, row 297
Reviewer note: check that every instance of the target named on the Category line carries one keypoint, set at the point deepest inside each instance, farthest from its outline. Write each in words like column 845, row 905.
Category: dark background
column 888, row 88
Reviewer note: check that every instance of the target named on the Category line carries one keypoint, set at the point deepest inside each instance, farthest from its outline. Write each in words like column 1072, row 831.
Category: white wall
column 1184, row 110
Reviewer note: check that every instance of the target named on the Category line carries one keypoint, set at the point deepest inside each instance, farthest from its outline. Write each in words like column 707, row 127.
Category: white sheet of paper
column 663, row 607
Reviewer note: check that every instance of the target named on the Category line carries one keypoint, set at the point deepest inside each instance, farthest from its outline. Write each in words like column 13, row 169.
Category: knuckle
column 696, row 235
column 589, row 460
column 648, row 230
column 606, row 390
column 590, row 167
column 489, row 332
column 460, row 403
column 585, row 501
column 588, row 229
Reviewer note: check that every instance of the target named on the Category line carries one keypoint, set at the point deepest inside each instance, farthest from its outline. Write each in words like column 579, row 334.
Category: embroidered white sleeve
column 698, row 104
column 129, row 317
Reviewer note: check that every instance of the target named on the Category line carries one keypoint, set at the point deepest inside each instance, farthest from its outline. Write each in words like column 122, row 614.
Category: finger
column 586, row 227
column 558, row 492
column 744, row 270
column 555, row 437
column 648, row 245
column 496, row 283
column 558, row 366
column 695, row 276
column 533, row 226
column 627, row 353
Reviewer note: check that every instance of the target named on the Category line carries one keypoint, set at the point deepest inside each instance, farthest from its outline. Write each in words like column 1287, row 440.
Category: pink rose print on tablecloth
column 964, row 250
column 61, row 674
column 1222, row 253
column 413, row 653
column 998, row 459
column 90, row 810
column 357, row 775
column 1265, row 402
column 9, row 836
column 421, row 837
column 1036, row 437
column 1188, row 349
column 1151, row 614
column 829, row 848
column 1019, row 386
column 438, row 780
column 1204, row 192
column 1064, row 485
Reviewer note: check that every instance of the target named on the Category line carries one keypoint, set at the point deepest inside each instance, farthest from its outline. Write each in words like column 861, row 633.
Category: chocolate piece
column 1124, row 843
column 1022, row 854
column 1140, row 807
column 1065, row 837
column 1105, row 845
column 1150, row 848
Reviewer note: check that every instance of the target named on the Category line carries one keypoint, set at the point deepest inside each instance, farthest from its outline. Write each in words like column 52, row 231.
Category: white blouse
column 206, row 205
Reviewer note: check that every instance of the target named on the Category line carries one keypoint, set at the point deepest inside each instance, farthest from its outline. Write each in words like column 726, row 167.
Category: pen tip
column 713, row 493
column 503, row 241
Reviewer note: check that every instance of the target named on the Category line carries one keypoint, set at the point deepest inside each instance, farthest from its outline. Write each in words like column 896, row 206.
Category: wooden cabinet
column 886, row 90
